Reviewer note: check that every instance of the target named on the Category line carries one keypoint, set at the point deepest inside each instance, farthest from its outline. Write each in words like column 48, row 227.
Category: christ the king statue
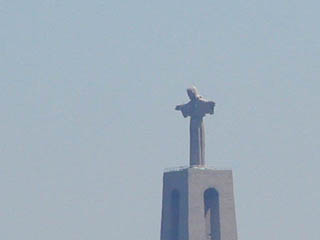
column 196, row 108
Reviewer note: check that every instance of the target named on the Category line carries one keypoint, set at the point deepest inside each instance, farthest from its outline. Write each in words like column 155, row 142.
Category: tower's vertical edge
column 211, row 205
column 174, row 222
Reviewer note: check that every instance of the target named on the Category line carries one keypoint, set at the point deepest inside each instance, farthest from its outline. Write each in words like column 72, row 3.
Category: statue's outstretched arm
column 179, row 107
column 211, row 107
column 184, row 108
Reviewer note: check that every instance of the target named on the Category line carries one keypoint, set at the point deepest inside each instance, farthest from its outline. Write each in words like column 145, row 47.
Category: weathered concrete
column 192, row 219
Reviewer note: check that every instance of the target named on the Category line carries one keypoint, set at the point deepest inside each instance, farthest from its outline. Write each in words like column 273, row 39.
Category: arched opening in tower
column 212, row 214
column 175, row 214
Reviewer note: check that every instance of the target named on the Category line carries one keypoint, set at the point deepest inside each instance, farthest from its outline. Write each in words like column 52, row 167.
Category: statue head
column 193, row 93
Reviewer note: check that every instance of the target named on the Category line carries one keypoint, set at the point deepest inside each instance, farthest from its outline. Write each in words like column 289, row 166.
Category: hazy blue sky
column 87, row 96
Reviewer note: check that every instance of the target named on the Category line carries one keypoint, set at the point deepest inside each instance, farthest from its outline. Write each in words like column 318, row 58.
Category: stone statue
column 196, row 108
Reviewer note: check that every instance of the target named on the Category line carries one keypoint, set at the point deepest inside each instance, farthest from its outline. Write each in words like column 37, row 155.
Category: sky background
column 87, row 96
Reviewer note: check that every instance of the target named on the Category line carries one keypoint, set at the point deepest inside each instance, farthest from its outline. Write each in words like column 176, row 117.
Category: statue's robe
column 197, row 108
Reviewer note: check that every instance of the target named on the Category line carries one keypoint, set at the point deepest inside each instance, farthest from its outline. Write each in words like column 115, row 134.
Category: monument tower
column 198, row 202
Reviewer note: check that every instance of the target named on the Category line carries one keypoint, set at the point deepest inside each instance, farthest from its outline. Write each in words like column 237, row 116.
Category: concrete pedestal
column 198, row 204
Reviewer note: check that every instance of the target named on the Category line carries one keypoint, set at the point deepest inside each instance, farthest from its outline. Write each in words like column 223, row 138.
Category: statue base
column 198, row 204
